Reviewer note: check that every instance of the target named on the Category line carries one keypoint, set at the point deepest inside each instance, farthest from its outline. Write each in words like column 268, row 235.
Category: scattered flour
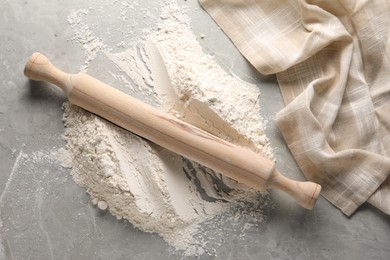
column 205, row 95
column 156, row 190
column 83, row 35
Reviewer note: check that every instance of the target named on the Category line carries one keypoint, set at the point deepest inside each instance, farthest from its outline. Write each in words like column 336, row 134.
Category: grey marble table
column 45, row 215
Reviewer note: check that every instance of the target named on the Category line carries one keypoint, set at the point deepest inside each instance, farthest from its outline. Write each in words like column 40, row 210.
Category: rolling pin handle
column 304, row 193
column 39, row 68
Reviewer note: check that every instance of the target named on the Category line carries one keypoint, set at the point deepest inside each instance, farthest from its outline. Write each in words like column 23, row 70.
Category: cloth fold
column 332, row 62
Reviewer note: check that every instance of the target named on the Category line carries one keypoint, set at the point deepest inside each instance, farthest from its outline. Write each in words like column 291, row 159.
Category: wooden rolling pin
column 238, row 163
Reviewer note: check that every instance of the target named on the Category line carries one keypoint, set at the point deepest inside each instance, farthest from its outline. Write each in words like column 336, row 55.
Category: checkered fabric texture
column 332, row 62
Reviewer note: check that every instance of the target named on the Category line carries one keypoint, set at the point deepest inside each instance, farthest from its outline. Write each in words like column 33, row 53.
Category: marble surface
column 45, row 215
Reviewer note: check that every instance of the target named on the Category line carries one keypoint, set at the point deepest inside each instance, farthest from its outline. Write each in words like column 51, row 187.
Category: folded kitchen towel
column 332, row 62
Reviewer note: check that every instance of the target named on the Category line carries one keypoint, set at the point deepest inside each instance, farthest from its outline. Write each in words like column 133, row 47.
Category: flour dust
column 154, row 189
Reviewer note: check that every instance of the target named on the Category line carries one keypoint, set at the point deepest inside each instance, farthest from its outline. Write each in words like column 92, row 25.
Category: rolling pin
column 238, row 163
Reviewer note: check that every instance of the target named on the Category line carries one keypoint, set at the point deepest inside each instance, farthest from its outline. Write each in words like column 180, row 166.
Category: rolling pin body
column 238, row 163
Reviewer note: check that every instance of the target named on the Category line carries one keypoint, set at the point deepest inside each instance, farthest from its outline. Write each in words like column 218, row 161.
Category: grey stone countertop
column 45, row 215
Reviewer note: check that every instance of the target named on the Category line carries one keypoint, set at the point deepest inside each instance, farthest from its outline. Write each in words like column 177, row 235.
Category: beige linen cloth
column 332, row 61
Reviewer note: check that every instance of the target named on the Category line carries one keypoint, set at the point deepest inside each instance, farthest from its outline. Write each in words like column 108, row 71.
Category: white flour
column 154, row 189
column 83, row 35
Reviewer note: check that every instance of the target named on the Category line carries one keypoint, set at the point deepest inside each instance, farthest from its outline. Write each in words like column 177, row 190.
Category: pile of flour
column 156, row 190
